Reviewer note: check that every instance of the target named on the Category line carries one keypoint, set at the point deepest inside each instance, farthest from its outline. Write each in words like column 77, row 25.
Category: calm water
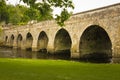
column 18, row 53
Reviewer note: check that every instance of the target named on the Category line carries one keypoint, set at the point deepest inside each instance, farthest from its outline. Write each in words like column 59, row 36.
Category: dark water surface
column 6, row 52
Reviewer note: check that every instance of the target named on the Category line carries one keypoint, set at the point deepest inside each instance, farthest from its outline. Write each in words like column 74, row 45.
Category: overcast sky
column 82, row 5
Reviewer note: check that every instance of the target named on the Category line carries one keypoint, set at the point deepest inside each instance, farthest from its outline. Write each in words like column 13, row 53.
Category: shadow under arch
column 42, row 42
column 12, row 40
column 6, row 39
column 95, row 45
column 19, row 41
column 29, row 41
column 62, row 44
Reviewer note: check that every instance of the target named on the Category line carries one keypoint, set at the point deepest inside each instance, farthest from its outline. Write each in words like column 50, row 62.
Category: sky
column 82, row 5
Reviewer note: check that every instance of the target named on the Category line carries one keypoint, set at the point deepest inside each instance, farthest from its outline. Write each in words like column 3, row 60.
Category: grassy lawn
column 28, row 69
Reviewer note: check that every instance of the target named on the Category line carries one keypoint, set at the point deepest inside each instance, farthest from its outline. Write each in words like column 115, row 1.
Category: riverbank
column 27, row 69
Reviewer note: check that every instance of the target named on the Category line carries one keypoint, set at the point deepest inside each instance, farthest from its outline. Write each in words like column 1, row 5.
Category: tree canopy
column 39, row 11
column 3, row 12
column 63, row 4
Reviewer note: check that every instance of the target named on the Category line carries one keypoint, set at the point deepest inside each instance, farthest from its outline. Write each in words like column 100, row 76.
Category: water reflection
column 14, row 53
column 18, row 53
column 42, row 54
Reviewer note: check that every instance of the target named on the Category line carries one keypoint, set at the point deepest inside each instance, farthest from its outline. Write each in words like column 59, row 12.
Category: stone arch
column 42, row 42
column 6, row 39
column 29, row 41
column 62, row 44
column 12, row 40
column 19, row 40
column 95, row 45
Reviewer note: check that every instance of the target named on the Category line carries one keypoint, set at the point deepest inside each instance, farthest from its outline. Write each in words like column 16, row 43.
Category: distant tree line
column 19, row 14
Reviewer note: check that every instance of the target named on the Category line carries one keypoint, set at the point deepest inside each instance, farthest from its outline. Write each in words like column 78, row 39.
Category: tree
column 33, row 14
column 3, row 12
column 63, row 4
column 24, row 18
column 45, row 11
column 16, row 14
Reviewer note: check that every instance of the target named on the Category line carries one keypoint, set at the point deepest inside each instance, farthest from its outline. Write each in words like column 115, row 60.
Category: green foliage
column 3, row 11
column 45, row 8
column 29, row 2
column 19, row 15
column 64, row 5
column 61, row 3
column 45, row 11
column 16, row 14
column 63, row 17
column 38, row 11
column 24, row 18
column 31, row 14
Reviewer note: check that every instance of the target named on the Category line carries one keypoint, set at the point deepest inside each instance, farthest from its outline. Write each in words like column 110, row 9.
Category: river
column 6, row 52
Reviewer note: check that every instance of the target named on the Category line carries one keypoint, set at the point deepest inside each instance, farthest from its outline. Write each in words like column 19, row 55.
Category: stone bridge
column 94, row 32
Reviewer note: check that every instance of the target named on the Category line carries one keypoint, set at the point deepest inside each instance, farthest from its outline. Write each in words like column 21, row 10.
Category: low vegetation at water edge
column 31, row 69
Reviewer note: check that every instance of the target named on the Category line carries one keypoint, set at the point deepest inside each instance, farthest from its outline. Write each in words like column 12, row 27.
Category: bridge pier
column 23, row 42
column 23, row 47
column 75, row 55
column 50, row 49
column 15, row 43
column 116, row 54
column 34, row 45
column 7, row 43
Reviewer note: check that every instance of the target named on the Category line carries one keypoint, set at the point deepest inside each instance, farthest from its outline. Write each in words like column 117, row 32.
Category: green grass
column 28, row 69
